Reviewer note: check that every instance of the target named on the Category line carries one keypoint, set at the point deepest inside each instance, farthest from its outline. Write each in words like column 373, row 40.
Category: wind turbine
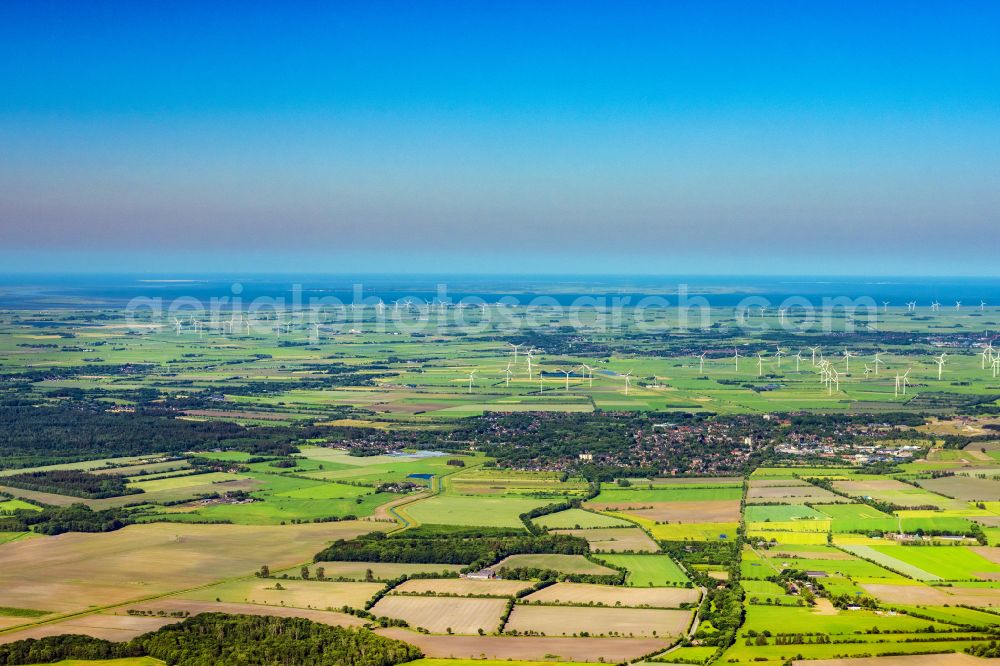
column 826, row 375
column 905, row 380
column 885, row 306
column 508, row 373
column 813, row 350
column 567, row 373
column 701, row 363
column 982, row 305
column 778, row 354
column 987, row 351
column 515, row 348
column 781, row 315
column 589, row 372
column 935, row 306
column 628, row 380
column 472, row 376
column 958, row 305
column 868, row 370
column 995, row 365
column 763, row 309
column 177, row 326
column 528, row 355
column 940, row 361
column 798, row 359
column 736, row 357
column 847, row 360
column 911, row 306
column 878, row 360
column 760, row 364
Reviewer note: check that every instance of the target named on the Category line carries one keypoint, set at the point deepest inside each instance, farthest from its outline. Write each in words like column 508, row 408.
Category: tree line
column 217, row 639
column 35, row 435
column 473, row 552
column 74, row 482
column 52, row 520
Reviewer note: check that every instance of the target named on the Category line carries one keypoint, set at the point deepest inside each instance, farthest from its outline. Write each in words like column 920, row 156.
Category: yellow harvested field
column 933, row 596
column 577, row 564
column 991, row 553
column 793, row 494
column 596, row 621
column 461, row 587
column 8, row 622
column 108, row 627
column 529, row 648
column 380, row 570
column 766, row 483
column 38, row 496
column 694, row 481
column 616, row 539
column 296, row 593
column 610, row 595
column 172, row 604
column 438, row 614
column 708, row 511
column 74, row 571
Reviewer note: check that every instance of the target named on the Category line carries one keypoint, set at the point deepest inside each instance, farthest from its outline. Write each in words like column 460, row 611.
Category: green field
column 850, row 512
column 944, row 562
column 10, row 506
column 755, row 567
column 781, row 513
column 690, row 531
column 955, row 615
column 487, row 511
column 181, row 482
column 807, row 620
column 742, row 654
column 648, row 570
column 688, row 655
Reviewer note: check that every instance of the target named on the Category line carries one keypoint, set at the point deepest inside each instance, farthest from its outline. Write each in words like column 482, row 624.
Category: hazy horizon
column 845, row 138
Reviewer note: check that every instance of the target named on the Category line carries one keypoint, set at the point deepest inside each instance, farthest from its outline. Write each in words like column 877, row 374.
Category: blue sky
column 700, row 137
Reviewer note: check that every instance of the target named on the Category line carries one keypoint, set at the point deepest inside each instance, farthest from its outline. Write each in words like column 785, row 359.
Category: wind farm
column 404, row 375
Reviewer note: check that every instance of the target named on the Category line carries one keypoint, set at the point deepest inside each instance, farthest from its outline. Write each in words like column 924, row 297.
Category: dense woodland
column 33, row 435
column 461, row 549
column 216, row 639
column 53, row 520
column 72, row 482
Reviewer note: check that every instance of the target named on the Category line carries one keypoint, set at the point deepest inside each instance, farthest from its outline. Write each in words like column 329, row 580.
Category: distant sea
column 115, row 291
